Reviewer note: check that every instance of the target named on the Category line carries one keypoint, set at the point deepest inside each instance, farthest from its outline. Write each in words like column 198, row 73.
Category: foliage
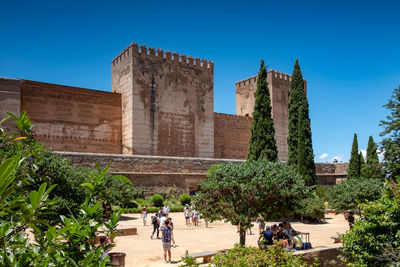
column 238, row 193
column 349, row 194
column 353, row 170
column 185, row 199
column 262, row 144
column 189, row 262
column 300, row 150
column 372, row 168
column 391, row 133
column 367, row 244
column 311, row 208
column 69, row 243
column 322, row 192
column 275, row 255
column 158, row 200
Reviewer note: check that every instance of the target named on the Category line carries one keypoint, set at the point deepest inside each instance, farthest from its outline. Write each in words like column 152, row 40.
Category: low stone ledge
column 126, row 231
column 327, row 255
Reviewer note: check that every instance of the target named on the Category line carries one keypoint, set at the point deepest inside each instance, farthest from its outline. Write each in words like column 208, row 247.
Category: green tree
column 238, row 193
column 300, row 150
column 391, row 133
column 353, row 170
column 262, row 144
column 372, row 168
column 362, row 161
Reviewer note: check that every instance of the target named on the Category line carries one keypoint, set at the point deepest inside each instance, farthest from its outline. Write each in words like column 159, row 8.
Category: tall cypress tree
column 300, row 150
column 362, row 161
column 372, row 168
column 262, row 142
column 353, row 171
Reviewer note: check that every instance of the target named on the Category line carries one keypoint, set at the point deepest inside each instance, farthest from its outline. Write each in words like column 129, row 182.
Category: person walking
column 166, row 209
column 144, row 216
column 171, row 224
column 186, row 213
column 167, row 235
column 156, row 224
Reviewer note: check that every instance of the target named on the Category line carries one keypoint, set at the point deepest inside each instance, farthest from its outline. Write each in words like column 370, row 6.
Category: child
column 196, row 217
column 144, row 216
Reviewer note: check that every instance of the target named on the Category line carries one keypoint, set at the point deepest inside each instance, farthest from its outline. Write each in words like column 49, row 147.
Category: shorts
column 187, row 217
column 166, row 245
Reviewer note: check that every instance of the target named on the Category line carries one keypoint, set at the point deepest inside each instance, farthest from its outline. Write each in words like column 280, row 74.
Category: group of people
column 191, row 215
column 284, row 234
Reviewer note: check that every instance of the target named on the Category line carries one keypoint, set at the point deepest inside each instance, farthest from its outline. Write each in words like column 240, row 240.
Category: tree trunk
column 242, row 235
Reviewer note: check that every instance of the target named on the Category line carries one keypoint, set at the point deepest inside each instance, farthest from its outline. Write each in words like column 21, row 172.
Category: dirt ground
column 142, row 251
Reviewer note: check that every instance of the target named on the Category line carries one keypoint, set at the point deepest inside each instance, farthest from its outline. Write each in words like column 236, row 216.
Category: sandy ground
column 143, row 251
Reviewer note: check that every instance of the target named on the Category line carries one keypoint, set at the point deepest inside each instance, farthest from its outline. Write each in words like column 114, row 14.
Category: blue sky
column 348, row 50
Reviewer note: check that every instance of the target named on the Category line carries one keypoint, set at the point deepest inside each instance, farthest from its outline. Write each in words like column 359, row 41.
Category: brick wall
column 231, row 136
column 73, row 119
column 10, row 100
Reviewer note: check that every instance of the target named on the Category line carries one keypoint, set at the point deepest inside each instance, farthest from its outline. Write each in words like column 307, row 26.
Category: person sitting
column 288, row 229
column 288, row 244
column 297, row 241
column 268, row 237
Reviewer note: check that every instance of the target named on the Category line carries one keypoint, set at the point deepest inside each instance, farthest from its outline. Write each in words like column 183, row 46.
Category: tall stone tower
column 167, row 102
column 279, row 88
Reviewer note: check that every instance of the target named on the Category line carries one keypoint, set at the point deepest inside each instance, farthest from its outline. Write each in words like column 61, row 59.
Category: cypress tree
column 362, row 161
column 353, row 171
column 262, row 142
column 372, row 168
column 300, row 150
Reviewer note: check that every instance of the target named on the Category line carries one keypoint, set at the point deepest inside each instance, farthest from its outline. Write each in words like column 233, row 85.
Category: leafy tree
column 372, row 169
column 262, row 144
column 391, row 133
column 362, row 161
column 300, row 150
column 353, row 170
column 238, row 193
column 349, row 194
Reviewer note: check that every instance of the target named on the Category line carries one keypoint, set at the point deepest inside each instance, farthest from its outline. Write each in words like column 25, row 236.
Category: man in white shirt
column 166, row 209
column 163, row 219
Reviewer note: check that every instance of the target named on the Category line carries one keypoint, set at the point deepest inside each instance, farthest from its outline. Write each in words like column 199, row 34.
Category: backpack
column 154, row 220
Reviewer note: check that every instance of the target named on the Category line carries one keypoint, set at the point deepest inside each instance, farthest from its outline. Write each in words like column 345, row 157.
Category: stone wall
column 73, row 119
column 167, row 103
column 231, row 136
column 279, row 87
column 10, row 100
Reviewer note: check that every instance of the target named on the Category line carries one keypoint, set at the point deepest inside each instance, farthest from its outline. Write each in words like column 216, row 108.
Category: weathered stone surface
column 327, row 255
column 279, row 87
column 10, row 100
column 168, row 106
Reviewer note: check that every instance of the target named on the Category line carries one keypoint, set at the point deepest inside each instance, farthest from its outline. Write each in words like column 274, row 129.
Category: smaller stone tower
column 279, row 88
column 167, row 102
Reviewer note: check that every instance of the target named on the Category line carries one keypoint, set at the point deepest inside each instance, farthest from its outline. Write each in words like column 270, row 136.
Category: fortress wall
column 73, row 119
column 231, row 136
column 170, row 97
column 279, row 88
column 10, row 101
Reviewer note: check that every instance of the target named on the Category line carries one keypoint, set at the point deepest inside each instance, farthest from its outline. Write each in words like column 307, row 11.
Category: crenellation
column 143, row 50
column 152, row 52
column 160, row 53
column 190, row 60
column 182, row 59
column 197, row 62
column 168, row 56
column 175, row 58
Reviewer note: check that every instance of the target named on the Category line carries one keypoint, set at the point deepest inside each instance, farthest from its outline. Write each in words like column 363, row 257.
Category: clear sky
column 348, row 50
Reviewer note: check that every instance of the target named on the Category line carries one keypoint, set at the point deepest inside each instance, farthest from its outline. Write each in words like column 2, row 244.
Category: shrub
column 185, row 199
column 349, row 194
column 311, row 208
column 158, row 200
column 322, row 192
column 177, row 208
column 250, row 256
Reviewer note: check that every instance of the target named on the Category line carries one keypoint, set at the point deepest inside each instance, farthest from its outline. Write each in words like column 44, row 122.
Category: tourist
column 268, row 237
column 160, row 213
column 191, row 214
column 167, row 235
column 196, row 217
column 166, row 209
column 186, row 213
column 274, row 230
column 156, row 224
column 144, row 216
column 287, row 228
column 349, row 216
column 288, row 244
column 163, row 219
column 261, row 224
column 297, row 241
column 171, row 224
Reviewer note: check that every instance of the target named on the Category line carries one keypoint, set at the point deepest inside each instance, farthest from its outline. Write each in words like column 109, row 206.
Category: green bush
column 250, row 256
column 177, row 208
column 349, row 194
column 185, row 199
column 158, row 200
column 311, row 208
column 322, row 192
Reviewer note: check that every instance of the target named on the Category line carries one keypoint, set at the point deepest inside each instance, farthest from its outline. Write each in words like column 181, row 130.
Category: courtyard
column 142, row 251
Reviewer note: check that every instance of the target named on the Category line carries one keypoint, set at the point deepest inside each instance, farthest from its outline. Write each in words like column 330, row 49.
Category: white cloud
column 324, row 156
column 381, row 154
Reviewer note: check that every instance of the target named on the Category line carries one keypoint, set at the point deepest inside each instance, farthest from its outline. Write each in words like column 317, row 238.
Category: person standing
column 196, row 217
column 166, row 209
column 167, row 235
column 163, row 219
column 186, row 213
column 144, row 216
column 261, row 224
column 171, row 224
column 156, row 224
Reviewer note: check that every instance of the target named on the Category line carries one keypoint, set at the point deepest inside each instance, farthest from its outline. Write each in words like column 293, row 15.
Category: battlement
column 134, row 50
column 253, row 79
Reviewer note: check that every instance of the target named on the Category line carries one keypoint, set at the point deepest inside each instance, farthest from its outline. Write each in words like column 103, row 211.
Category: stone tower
column 279, row 87
column 167, row 102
